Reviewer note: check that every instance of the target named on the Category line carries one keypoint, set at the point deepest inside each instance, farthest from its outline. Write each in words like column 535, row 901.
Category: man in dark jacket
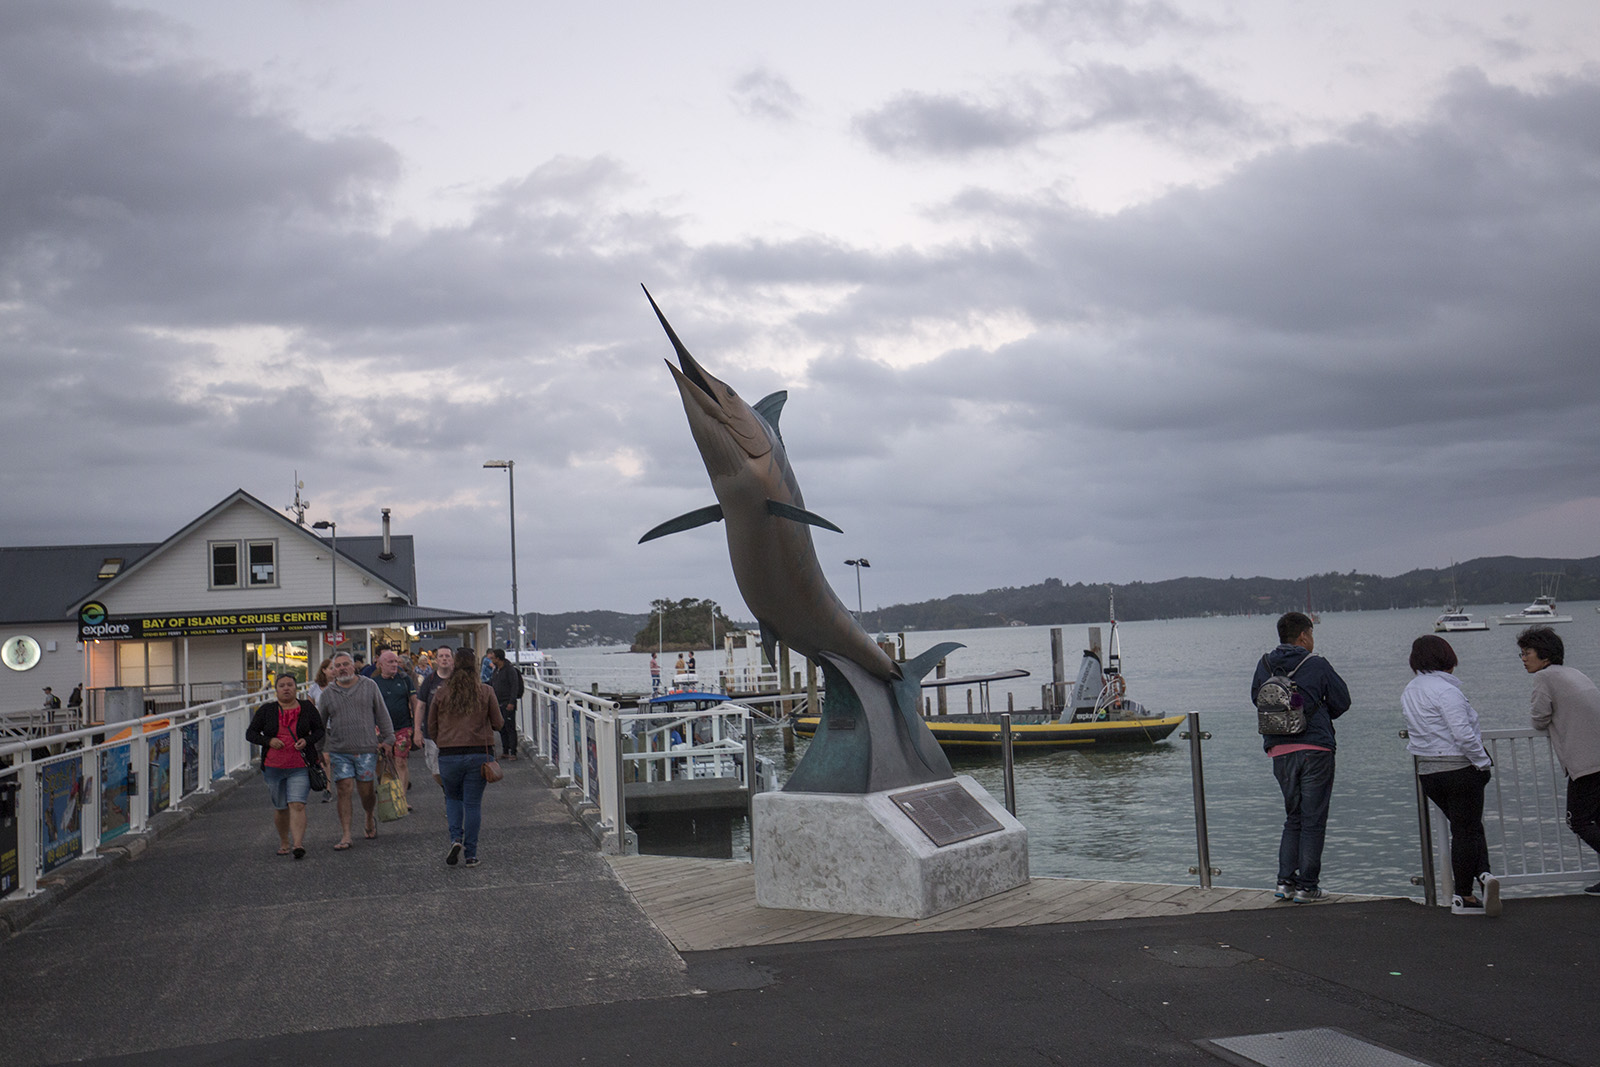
column 1303, row 762
column 507, row 686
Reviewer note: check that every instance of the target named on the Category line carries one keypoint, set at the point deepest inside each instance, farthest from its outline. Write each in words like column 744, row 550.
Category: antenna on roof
column 299, row 507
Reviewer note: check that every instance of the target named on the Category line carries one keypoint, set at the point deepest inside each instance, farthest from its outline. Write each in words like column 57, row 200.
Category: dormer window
column 110, row 568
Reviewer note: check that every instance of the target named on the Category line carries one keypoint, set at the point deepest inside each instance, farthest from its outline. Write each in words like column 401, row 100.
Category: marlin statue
column 872, row 736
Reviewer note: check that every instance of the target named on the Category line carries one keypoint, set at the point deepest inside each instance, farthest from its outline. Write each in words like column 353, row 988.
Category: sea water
column 1127, row 813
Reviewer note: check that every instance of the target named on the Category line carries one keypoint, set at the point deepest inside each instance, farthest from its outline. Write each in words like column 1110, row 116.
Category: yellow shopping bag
column 391, row 794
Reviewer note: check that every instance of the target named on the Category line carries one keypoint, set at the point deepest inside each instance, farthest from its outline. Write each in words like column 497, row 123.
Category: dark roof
column 400, row 572
column 42, row 583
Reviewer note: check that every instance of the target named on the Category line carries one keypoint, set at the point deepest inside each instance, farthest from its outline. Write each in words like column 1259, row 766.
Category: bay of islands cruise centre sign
column 96, row 624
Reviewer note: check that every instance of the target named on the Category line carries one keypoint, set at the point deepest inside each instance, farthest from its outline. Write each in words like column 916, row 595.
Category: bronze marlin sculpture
column 871, row 736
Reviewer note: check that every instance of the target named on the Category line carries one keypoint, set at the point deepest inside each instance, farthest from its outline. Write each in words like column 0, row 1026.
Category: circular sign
column 20, row 653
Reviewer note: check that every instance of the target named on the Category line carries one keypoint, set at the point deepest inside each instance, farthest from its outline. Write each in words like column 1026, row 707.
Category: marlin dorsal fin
column 788, row 511
column 770, row 407
column 698, row 517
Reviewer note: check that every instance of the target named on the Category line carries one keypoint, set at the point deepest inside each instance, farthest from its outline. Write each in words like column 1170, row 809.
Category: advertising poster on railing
column 577, row 742
column 8, row 836
column 61, row 812
column 590, row 743
column 115, row 815
column 191, row 757
column 219, row 755
column 160, row 772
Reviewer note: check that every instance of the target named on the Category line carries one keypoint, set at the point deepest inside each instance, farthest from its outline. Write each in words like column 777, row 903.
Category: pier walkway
column 210, row 949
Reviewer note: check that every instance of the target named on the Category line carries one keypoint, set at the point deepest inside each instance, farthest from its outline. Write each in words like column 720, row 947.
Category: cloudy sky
column 1088, row 289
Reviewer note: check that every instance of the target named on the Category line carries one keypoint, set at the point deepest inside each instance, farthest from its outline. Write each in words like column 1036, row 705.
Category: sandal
column 283, row 850
column 341, row 846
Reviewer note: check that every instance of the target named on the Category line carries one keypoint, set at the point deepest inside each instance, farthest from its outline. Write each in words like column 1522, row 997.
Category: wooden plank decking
column 704, row 904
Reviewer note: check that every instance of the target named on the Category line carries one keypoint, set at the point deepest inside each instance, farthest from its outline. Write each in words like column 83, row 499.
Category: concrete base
column 859, row 854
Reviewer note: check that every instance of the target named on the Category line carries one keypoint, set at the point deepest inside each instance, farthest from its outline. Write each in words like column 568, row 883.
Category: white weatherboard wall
column 178, row 579
column 60, row 670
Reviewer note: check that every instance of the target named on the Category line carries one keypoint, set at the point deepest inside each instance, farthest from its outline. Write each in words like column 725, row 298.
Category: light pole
column 333, row 559
column 858, row 564
column 510, row 467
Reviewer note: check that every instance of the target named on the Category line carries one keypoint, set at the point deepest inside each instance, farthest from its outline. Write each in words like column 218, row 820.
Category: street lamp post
column 510, row 467
column 333, row 559
column 858, row 564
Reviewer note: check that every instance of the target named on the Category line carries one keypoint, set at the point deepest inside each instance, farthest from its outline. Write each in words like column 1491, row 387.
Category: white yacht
column 1541, row 611
column 1455, row 621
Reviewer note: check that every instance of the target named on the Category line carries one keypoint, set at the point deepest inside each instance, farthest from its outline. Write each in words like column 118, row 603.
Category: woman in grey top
column 1453, row 766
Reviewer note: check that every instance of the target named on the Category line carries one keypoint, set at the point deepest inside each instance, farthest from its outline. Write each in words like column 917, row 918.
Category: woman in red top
column 287, row 729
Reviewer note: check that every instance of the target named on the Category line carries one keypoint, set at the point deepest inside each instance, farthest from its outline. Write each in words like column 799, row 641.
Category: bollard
column 1010, row 770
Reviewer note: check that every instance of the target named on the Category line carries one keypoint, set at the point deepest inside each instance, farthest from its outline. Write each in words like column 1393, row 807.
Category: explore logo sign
column 95, row 625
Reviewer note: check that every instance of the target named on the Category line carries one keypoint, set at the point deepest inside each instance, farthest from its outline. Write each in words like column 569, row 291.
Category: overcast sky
column 1094, row 290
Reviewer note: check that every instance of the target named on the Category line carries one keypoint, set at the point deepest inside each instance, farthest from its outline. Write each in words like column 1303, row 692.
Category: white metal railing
column 597, row 747
column 1523, row 817
column 75, row 792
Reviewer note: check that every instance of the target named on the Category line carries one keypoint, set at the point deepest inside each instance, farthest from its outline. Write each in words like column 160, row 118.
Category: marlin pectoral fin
column 770, row 407
column 698, row 517
column 788, row 511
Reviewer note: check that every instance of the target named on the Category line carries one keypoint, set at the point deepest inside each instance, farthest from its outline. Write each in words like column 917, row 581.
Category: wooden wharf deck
column 701, row 904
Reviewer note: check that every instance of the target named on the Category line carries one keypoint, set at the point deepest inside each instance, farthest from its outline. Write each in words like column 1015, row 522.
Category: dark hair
column 1430, row 652
column 1292, row 625
column 498, row 654
column 1545, row 641
column 458, row 697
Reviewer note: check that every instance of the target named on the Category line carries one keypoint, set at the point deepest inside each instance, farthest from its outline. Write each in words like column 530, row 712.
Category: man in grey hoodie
column 359, row 728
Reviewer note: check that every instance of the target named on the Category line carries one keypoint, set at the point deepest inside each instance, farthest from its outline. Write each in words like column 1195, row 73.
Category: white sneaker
column 1491, row 894
column 1461, row 906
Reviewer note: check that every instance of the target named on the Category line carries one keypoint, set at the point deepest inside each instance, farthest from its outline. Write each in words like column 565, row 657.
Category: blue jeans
column 1306, row 779
column 463, row 797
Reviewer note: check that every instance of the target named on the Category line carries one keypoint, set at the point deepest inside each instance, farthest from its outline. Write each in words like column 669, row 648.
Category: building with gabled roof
column 238, row 594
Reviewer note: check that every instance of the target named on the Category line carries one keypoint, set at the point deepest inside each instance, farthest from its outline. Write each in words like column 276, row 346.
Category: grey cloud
column 762, row 94
column 1169, row 101
column 935, row 124
column 1071, row 22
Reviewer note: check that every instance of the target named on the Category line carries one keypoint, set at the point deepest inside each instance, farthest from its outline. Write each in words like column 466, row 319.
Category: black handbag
column 319, row 777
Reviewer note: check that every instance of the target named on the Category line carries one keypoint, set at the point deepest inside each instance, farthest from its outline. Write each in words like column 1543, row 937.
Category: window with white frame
column 262, row 557
column 224, row 564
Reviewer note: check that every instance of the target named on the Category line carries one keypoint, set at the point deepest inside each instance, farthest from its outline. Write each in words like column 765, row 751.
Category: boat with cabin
column 1452, row 620
column 1097, row 710
column 1542, row 612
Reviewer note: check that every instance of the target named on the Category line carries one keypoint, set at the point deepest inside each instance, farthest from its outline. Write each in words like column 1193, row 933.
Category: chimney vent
column 388, row 552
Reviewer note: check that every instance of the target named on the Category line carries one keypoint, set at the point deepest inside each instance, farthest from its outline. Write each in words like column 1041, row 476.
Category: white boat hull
column 1532, row 620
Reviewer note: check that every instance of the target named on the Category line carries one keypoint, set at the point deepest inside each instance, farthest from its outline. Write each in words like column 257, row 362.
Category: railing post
column 1430, row 888
column 29, row 845
column 622, row 787
column 1202, row 837
column 1010, row 767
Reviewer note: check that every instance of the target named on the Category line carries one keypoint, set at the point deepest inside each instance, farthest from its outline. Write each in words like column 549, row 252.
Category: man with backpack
column 1297, row 695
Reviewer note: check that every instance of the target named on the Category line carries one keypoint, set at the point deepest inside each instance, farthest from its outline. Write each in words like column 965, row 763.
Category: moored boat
column 1097, row 711
column 1541, row 612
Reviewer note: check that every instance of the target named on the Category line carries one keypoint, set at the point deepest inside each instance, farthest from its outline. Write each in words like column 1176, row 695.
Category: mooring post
column 944, row 703
column 1058, row 670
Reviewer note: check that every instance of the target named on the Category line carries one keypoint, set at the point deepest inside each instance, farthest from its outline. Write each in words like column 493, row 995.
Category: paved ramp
column 211, row 936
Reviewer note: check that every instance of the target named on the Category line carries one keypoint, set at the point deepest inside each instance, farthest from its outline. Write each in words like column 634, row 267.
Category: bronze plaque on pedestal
column 946, row 812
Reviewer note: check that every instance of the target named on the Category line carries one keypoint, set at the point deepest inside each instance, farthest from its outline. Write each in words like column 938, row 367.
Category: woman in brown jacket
column 463, row 716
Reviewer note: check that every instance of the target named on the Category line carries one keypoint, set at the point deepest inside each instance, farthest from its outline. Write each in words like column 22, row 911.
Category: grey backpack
column 1280, row 705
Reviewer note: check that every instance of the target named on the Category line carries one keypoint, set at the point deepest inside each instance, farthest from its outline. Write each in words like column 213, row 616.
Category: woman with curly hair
column 463, row 716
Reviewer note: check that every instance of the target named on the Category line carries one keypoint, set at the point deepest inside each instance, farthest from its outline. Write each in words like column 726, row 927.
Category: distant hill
column 1490, row 580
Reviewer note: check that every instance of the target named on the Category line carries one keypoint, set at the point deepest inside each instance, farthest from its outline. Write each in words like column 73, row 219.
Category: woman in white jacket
column 1453, row 766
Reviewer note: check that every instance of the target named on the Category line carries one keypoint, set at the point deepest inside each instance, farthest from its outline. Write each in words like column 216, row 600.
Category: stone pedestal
column 862, row 854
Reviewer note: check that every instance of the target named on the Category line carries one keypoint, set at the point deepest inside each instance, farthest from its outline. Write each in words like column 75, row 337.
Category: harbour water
column 1127, row 814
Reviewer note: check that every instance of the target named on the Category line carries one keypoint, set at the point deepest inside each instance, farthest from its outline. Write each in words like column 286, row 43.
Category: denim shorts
column 287, row 785
column 362, row 766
